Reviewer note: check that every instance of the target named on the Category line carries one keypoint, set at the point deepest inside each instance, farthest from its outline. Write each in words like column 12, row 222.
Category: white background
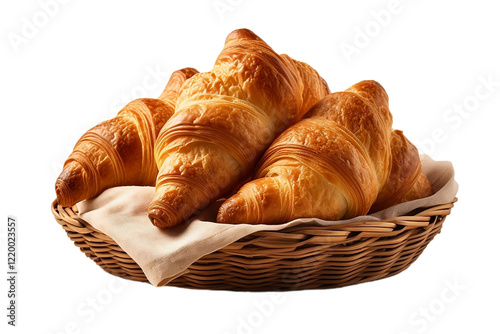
column 86, row 59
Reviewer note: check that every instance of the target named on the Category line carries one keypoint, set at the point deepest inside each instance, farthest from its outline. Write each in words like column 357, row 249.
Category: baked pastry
column 223, row 122
column 331, row 165
column 406, row 181
column 313, row 86
column 119, row 151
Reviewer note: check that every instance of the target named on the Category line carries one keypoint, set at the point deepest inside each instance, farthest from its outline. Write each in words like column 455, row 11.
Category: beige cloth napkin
column 163, row 255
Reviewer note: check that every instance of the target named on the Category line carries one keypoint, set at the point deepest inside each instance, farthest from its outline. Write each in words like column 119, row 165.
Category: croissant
column 313, row 86
column 330, row 165
column 406, row 181
column 119, row 151
column 223, row 122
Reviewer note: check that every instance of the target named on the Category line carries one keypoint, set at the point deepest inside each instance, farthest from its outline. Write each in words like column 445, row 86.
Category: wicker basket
column 296, row 258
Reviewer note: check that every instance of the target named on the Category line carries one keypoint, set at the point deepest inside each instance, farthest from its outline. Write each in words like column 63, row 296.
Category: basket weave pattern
column 296, row 258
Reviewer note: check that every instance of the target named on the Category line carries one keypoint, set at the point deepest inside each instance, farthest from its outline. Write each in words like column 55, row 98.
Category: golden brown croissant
column 330, row 165
column 314, row 87
column 406, row 181
column 119, row 151
column 224, row 120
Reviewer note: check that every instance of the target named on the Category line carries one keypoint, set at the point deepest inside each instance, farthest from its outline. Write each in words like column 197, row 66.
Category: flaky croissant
column 406, row 181
column 224, row 120
column 330, row 165
column 119, row 151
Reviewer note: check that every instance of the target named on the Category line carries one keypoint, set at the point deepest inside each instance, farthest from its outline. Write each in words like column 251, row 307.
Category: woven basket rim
column 420, row 218
column 248, row 264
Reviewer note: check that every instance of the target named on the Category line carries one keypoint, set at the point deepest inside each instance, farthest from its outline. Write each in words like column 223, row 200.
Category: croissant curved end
column 188, row 71
column 372, row 89
column 63, row 193
column 160, row 216
column 70, row 187
column 178, row 77
column 232, row 211
column 242, row 33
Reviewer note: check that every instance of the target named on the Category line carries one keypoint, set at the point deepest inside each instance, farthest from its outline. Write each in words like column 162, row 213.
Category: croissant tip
column 160, row 219
column 231, row 212
column 72, row 185
column 221, row 218
column 156, row 222
column 189, row 71
column 242, row 33
column 63, row 193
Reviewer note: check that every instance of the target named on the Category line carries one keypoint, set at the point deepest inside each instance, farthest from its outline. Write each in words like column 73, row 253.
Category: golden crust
column 314, row 86
column 363, row 109
column 406, row 181
column 342, row 160
column 329, row 165
column 224, row 120
column 119, row 151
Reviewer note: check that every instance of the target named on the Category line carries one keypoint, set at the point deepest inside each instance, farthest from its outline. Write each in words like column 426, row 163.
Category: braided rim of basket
column 295, row 258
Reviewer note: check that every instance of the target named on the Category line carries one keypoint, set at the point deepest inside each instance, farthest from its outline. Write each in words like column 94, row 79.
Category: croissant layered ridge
column 330, row 165
column 363, row 109
column 224, row 120
column 119, row 151
column 406, row 181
